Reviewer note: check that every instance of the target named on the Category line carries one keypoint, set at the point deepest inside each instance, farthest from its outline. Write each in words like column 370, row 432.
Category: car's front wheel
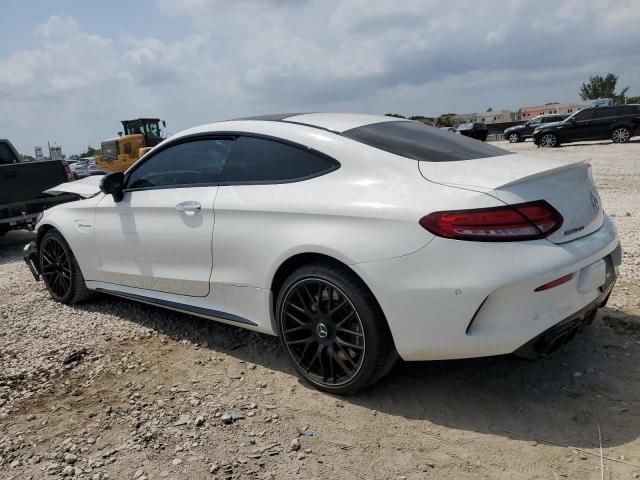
column 549, row 140
column 621, row 135
column 513, row 138
column 60, row 270
column 333, row 329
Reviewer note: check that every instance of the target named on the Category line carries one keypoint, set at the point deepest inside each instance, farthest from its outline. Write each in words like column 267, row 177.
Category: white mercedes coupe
column 355, row 238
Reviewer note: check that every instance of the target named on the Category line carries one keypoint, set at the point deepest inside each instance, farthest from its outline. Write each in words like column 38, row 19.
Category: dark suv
column 518, row 133
column 618, row 123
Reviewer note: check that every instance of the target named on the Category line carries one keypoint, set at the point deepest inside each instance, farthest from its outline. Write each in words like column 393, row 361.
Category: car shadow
column 559, row 399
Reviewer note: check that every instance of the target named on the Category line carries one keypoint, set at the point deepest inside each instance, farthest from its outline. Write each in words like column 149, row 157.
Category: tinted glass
column 536, row 121
column 583, row 115
column 261, row 160
column 6, row 154
column 603, row 112
column 417, row 141
column 628, row 109
column 192, row 163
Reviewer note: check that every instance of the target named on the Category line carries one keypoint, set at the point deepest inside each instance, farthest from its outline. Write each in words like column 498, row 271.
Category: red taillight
column 68, row 171
column 524, row 221
column 554, row 283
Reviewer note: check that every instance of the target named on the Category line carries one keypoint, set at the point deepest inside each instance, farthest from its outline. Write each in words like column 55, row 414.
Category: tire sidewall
column 513, row 141
column 369, row 319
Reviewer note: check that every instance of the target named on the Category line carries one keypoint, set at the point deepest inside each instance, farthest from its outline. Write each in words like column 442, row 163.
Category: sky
column 70, row 70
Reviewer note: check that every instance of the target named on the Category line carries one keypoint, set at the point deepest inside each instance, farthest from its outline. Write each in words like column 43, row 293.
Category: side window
column 628, row 110
column 6, row 155
column 536, row 121
column 262, row 160
column 584, row 115
column 603, row 112
column 199, row 162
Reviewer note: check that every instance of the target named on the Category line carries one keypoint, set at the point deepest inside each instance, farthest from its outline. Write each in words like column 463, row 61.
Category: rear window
column 628, row 109
column 417, row 141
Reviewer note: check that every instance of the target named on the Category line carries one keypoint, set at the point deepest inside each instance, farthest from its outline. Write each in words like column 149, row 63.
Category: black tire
column 314, row 339
column 60, row 270
column 514, row 138
column 621, row 135
column 549, row 140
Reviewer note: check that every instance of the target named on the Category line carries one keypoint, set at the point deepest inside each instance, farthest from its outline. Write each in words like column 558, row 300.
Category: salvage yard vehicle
column 22, row 185
column 136, row 139
column 519, row 133
column 355, row 238
column 618, row 123
column 479, row 131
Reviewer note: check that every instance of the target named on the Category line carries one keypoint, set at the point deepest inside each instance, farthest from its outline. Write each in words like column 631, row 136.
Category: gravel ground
column 155, row 394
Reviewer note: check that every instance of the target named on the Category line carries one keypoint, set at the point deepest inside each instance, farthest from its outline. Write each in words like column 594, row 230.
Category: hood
column 85, row 187
column 515, row 128
column 552, row 124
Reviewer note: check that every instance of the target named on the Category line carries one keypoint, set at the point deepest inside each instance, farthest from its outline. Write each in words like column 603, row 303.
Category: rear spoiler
column 559, row 168
column 86, row 187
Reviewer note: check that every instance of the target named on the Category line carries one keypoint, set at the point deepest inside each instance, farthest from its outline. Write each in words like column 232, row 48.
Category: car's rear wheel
column 513, row 138
column 549, row 140
column 621, row 135
column 60, row 270
column 333, row 329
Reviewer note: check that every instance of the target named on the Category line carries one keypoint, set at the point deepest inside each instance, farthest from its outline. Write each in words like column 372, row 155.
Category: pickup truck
column 22, row 185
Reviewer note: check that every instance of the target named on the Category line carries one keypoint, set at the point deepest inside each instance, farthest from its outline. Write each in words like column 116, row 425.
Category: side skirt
column 181, row 307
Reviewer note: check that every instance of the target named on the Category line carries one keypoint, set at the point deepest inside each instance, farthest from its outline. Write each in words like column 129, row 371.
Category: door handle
column 189, row 208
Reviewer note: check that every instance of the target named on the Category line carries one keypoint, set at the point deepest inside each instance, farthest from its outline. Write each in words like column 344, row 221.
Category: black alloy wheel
column 55, row 267
column 323, row 331
column 333, row 329
column 60, row 270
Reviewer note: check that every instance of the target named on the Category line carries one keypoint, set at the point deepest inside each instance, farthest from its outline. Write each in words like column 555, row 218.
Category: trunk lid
column 568, row 187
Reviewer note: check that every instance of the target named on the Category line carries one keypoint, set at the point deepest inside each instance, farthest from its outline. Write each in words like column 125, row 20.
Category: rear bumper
column 456, row 299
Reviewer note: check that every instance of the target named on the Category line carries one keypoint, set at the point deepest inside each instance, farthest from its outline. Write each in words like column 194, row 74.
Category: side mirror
column 113, row 184
column 572, row 120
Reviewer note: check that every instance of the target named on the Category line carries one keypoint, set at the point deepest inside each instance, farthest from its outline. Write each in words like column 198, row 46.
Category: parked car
column 355, row 238
column 22, row 185
column 479, row 131
column 618, row 123
column 518, row 133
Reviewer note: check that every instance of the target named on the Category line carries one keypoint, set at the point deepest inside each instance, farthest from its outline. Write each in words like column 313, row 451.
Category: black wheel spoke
column 56, row 267
column 322, row 331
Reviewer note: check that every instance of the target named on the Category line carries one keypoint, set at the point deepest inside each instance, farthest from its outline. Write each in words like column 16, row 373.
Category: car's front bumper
column 456, row 299
column 32, row 259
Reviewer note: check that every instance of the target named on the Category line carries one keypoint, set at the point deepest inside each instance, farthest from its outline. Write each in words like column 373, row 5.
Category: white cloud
column 250, row 56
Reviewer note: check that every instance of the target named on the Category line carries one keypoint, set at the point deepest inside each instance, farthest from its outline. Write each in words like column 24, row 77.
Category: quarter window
column 259, row 160
column 199, row 162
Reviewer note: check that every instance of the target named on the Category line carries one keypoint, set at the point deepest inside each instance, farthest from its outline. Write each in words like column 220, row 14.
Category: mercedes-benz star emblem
column 321, row 330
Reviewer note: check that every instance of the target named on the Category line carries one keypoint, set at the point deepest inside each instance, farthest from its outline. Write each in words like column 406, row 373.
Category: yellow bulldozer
column 138, row 137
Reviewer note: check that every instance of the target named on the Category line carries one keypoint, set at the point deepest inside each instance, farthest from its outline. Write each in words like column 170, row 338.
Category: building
column 55, row 153
column 499, row 116
column 566, row 108
column 39, row 154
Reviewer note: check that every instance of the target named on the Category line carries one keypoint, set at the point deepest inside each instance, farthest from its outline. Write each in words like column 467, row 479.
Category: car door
column 158, row 237
column 577, row 127
column 603, row 120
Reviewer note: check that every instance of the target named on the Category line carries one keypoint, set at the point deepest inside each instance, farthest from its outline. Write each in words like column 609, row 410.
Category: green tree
column 602, row 87
column 445, row 120
column 397, row 115
column 633, row 99
column 91, row 152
